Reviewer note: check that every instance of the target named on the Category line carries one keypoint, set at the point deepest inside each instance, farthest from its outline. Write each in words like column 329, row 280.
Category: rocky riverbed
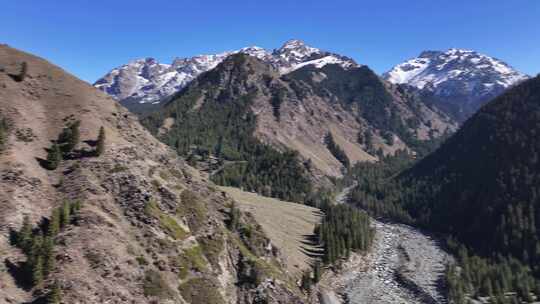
column 404, row 265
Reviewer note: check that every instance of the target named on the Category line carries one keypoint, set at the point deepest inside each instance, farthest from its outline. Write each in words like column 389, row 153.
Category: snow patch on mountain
column 435, row 68
column 460, row 80
column 319, row 63
column 147, row 81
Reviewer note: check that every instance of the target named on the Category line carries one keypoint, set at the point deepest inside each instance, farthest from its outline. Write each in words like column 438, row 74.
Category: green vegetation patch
column 166, row 222
column 191, row 259
column 193, row 208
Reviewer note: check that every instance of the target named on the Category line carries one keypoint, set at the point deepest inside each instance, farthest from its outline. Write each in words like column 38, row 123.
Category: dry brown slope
column 140, row 203
column 286, row 224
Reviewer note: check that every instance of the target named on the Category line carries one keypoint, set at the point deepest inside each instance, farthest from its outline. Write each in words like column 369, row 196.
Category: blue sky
column 88, row 38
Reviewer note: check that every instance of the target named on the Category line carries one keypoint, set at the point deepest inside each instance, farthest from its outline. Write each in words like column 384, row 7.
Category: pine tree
column 54, row 223
column 317, row 272
column 48, row 255
column 100, row 147
column 54, row 156
column 37, row 270
column 55, row 295
column 75, row 208
column 3, row 134
column 306, row 281
column 22, row 74
column 65, row 214
column 24, row 237
column 75, row 134
column 234, row 214
column 70, row 137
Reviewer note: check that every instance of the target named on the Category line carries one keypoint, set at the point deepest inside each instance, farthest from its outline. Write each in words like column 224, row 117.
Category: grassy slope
column 286, row 224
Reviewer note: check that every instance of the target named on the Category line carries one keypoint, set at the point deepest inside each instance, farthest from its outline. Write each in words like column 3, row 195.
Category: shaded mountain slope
column 480, row 189
column 485, row 178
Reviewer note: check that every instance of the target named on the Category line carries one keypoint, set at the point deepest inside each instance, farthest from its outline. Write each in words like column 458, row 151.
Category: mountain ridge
column 366, row 116
column 458, row 80
column 146, row 81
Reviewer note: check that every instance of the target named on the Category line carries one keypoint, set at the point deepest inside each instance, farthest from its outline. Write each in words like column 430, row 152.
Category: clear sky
column 88, row 38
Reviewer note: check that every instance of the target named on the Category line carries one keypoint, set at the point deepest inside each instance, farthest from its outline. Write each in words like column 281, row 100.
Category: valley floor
column 404, row 266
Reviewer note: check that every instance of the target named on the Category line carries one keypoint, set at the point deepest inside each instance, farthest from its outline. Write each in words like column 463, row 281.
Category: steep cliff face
column 366, row 115
column 150, row 229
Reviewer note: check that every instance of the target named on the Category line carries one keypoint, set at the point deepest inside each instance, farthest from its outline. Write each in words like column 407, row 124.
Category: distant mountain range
column 459, row 81
column 146, row 81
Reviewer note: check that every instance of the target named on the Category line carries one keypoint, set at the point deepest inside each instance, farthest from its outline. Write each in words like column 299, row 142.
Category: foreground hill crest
column 148, row 227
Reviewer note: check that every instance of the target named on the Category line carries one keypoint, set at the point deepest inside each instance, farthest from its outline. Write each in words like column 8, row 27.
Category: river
column 404, row 265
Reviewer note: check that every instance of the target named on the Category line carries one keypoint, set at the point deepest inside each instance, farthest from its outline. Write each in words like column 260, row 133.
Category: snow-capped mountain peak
column 460, row 76
column 148, row 81
column 257, row 52
column 296, row 50
column 434, row 68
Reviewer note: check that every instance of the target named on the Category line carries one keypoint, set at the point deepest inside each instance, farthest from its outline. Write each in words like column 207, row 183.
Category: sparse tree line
column 505, row 280
column 336, row 150
column 38, row 245
column 251, row 270
column 67, row 141
column 270, row 173
column 343, row 230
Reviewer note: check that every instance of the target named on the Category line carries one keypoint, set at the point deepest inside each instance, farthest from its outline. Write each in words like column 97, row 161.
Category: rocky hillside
column 246, row 98
column 458, row 80
column 119, row 220
column 143, row 83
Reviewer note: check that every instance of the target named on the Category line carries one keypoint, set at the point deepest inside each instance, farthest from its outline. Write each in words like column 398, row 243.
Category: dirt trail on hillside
column 404, row 266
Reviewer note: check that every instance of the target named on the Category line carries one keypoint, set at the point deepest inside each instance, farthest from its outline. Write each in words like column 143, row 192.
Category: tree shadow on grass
column 40, row 300
column 79, row 154
column 311, row 247
column 312, row 253
column 42, row 162
column 310, row 240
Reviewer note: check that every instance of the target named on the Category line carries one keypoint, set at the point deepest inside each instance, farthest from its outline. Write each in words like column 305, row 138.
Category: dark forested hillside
column 213, row 116
column 483, row 184
column 482, row 188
